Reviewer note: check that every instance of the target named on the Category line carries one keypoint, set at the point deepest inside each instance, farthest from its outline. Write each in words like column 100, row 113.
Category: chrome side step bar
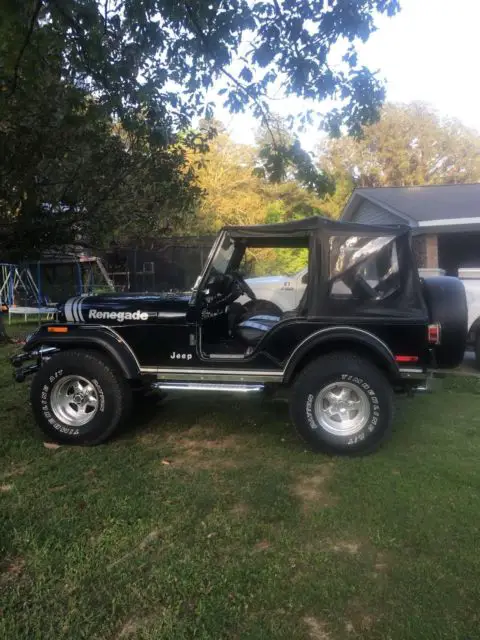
column 208, row 386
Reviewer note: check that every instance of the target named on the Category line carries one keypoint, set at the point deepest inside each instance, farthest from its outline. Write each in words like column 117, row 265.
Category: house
column 445, row 220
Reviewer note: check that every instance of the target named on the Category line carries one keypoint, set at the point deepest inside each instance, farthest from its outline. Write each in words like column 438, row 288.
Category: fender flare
column 102, row 339
column 349, row 336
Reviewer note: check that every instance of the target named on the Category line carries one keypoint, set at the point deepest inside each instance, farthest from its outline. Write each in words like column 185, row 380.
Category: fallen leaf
column 51, row 445
column 263, row 545
column 210, row 535
column 6, row 487
column 60, row 487
column 152, row 536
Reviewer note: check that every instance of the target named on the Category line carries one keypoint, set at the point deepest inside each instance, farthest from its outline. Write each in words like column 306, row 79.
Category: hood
column 125, row 308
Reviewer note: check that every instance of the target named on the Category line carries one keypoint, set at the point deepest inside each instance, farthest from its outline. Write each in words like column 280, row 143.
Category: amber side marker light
column 406, row 358
column 57, row 329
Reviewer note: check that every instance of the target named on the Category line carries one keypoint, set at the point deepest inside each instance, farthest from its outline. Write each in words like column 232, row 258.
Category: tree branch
column 31, row 27
column 241, row 86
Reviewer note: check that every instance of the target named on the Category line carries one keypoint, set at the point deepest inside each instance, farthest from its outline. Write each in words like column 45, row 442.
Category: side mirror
column 305, row 278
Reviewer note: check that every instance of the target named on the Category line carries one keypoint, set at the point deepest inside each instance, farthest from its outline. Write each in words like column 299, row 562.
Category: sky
column 430, row 52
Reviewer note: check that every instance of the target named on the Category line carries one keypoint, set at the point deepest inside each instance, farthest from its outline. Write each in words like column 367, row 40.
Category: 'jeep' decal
column 118, row 316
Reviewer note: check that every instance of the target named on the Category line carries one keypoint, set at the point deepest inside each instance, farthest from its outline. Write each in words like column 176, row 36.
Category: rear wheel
column 342, row 404
column 79, row 397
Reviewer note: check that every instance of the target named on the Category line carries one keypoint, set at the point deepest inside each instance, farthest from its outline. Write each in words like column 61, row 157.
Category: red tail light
column 434, row 333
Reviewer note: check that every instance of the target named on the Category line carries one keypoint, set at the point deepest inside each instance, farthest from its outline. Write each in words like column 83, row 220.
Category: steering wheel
column 243, row 285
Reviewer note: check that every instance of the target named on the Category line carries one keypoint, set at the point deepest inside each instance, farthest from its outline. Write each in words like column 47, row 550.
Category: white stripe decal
column 74, row 310
column 68, row 310
column 80, row 312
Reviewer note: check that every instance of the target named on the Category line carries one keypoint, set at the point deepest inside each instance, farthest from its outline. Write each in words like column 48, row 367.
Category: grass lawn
column 209, row 519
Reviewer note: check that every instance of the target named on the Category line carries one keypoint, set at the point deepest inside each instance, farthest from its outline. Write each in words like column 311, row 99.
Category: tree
column 98, row 93
column 69, row 172
column 233, row 194
column 282, row 159
column 3, row 333
column 410, row 145
column 129, row 52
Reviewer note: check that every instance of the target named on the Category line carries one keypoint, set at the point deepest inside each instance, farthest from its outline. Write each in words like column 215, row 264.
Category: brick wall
column 425, row 249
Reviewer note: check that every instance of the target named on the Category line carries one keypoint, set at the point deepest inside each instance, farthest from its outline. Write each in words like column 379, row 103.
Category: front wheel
column 78, row 397
column 342, row 404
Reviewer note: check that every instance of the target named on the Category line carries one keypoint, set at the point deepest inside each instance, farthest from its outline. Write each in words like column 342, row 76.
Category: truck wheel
column 78, row 397
column 343, row 404
column 477, row 351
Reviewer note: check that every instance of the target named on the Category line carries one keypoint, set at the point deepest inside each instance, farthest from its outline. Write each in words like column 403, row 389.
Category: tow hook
column 21, row 372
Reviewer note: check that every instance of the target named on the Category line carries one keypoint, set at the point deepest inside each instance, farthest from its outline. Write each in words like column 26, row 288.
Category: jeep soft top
column 366, row 326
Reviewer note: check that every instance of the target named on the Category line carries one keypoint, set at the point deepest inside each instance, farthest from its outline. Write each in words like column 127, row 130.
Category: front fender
column 343, row 337
column 100, row 338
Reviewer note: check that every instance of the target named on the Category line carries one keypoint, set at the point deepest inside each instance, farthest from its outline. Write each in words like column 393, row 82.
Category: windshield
column 223, row 256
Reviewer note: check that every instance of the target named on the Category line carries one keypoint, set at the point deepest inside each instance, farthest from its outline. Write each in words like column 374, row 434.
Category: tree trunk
column 3, row 333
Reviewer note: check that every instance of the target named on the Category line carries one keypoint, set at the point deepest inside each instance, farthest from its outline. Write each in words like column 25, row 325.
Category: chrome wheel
column 74, row 400
column 342, row 408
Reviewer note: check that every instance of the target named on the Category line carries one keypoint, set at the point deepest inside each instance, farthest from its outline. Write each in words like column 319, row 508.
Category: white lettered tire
column 79, row 397
column 342, row 403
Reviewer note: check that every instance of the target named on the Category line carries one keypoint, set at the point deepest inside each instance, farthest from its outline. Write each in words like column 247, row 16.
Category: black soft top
column 337, row 251
column 316, row 225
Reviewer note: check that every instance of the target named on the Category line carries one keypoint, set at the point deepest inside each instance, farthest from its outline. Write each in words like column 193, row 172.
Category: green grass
column 207, row 518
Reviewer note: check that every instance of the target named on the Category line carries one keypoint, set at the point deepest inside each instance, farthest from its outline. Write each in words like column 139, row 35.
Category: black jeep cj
column 365, row 327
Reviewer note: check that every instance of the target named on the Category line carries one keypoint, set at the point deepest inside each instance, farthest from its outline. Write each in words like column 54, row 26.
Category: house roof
column 439, row 206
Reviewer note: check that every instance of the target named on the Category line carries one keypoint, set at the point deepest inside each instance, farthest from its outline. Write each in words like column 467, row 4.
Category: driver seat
column 252, row 329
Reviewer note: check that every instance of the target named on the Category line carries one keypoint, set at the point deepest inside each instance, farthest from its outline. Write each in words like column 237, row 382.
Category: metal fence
column 173, row 264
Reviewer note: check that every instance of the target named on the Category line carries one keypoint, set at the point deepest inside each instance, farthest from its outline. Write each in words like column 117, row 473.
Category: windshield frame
column 205, row 273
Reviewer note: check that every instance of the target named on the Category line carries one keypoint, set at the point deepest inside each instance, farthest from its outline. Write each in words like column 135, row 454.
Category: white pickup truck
column 283, row 293
column 471, row 281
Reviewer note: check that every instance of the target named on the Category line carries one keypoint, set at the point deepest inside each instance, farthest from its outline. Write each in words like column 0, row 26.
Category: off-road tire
column 113, row 393
column 477, row 350
column 360, row 374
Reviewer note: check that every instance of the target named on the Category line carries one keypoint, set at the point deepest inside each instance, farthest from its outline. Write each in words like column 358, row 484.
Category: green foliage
column 130, row 54
column 273, row 262
column 410, row 145
column 234, row 193
column 281, row 158
column 95, row 95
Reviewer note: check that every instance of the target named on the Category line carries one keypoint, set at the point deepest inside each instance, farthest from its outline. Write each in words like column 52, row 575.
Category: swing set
column 35, row 288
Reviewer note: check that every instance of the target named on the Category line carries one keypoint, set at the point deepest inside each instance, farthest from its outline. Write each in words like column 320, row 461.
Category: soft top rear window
column 363, row 268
